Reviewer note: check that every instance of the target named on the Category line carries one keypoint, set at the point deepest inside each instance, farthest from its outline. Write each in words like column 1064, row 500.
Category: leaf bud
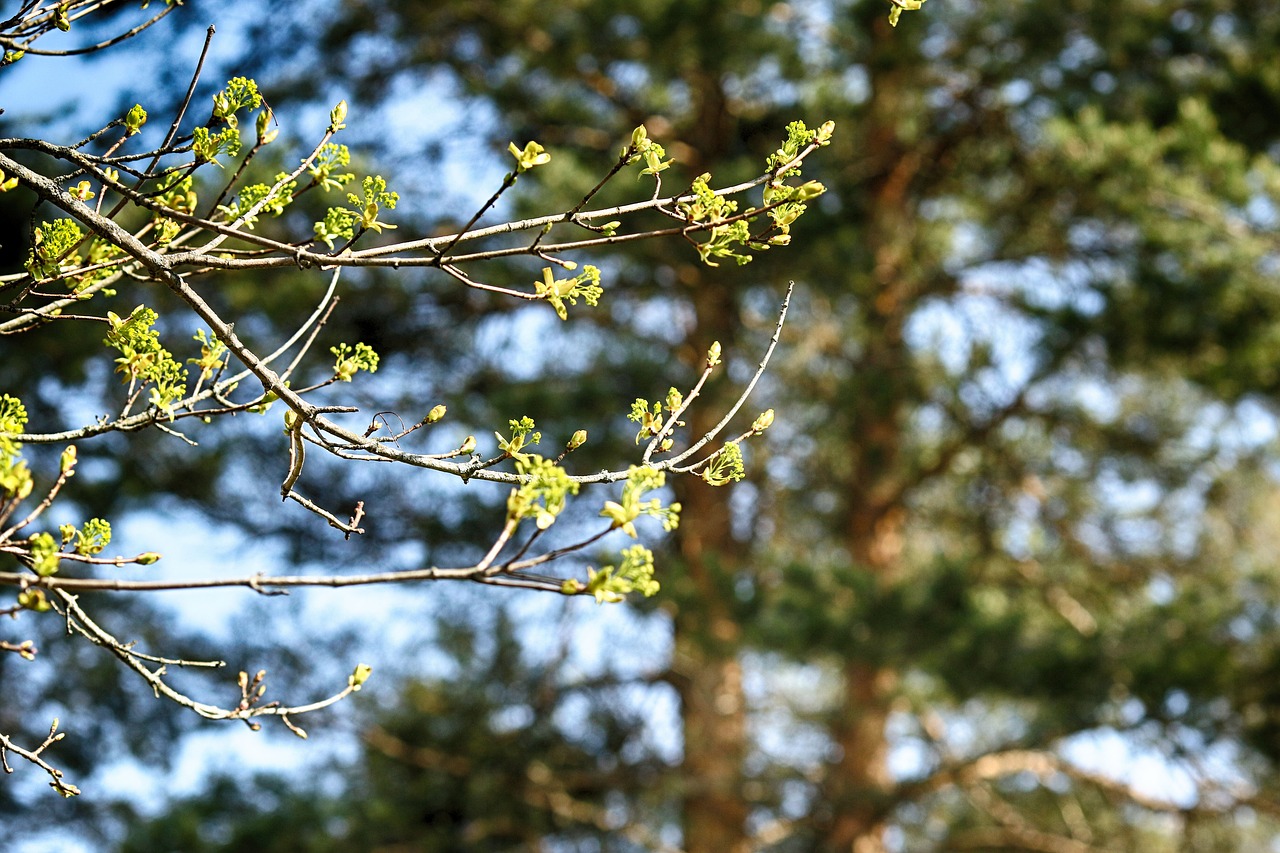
column 337, row 116
column 809, row 191
column 713, row 355
column 436, row 413
column 266, row 136
column 579, row 438
column 359, row 676
column 134, row 119
column 763, row 422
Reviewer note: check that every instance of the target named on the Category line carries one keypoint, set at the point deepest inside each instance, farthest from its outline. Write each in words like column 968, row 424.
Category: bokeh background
column 1003, row 575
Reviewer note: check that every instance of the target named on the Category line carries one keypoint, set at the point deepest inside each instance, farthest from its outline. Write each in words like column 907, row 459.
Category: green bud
column 134, row 119
column 468, row 445
column 809, row 191
column 68, row 459
column 763, row 422
column 359, row 676
column 265, row 135
column 33, row 599
column 436, row 413
column 713, row 355
column 337, row 116
column 579, row 438
column 147, row 559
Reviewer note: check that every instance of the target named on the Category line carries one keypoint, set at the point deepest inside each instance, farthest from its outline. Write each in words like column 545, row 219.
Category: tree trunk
column 707, row 667
column 858, row 784
column 708, row 670
column 713, row 709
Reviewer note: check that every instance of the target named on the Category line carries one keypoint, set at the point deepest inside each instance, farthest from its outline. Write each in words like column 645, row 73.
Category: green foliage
column 585, row 285
column 624, row 514
column 179, row 196
column 207, row 146
column 798, row 136
column 531, row 156
column 240, row 93
column 55, row 254
column 143, row 359
column 13, row 415
column 53, row 247
column 522, row 432
column 544, row 492
column 350, row 361
column 725, row 466
column 650, row 416
column 729, row 231
column 15, row 477
column 44, row 554
column 90, row 539
column 270, row 199
column 341, row 223
column 338, row 224
column 645, row 149
column 611, row 585
column 722, row 239
column 323, row 168
column 103, row 265
column 213, row 354
column 374, row 198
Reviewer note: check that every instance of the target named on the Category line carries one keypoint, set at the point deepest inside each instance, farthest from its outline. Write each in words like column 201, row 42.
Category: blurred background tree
column 1014, row 536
